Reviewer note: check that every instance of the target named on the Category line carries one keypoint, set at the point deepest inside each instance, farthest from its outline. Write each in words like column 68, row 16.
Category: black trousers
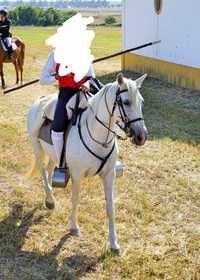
column 60, row 118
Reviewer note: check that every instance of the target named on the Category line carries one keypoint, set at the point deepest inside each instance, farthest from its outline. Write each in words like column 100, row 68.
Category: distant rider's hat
column 3, row 13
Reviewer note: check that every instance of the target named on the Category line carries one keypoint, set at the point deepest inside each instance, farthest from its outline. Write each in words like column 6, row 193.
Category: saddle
column 42, row 112
column 4, row 46
column 46, row 127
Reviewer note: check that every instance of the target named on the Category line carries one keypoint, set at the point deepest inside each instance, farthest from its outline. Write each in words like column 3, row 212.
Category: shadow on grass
column 169, row 111
column 16, row 263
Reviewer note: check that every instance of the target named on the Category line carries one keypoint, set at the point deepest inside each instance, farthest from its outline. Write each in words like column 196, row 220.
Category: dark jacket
column 4, row 28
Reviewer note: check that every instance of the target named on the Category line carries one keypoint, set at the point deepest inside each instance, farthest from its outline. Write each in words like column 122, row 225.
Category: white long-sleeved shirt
column 49, row 70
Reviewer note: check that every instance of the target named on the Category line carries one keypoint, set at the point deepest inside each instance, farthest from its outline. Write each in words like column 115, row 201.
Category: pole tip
column 156, row 42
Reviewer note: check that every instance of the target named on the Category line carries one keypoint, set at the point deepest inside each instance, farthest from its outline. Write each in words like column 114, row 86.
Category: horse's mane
column 112, row 89
column 94, row 101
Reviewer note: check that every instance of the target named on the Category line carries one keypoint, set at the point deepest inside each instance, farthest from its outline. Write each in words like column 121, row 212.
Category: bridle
column 127, row 123
column 123, row 115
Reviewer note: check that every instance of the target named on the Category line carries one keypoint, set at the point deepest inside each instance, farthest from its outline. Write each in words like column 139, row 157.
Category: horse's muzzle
column 139, row 137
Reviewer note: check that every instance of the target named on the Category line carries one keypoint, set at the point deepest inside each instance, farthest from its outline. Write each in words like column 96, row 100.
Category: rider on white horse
column 92, row 145
column 67, row 89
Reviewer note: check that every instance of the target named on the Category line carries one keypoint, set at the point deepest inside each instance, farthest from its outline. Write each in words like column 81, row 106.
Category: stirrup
column 60, row 177
column 119, row 169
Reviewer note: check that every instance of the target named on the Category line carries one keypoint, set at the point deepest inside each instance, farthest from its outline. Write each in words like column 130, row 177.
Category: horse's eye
column 127, row 102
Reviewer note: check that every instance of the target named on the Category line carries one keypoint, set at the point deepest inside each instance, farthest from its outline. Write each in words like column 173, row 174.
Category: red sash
column 68, row 80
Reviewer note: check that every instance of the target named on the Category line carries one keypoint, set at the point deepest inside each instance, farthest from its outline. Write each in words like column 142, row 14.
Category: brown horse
column 17, row 59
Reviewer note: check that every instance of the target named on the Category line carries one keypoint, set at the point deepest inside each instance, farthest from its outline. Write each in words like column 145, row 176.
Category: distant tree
column 65, row 16
column 27, row 15
column 110, row 20
column 13, row 16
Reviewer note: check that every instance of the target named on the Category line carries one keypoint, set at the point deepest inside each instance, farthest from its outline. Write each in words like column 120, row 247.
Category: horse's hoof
column 115, row 251
column 74, row 231
column 50, row 205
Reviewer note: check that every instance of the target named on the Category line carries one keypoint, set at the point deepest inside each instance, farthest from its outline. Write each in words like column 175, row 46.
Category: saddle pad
column 45, row 131
column 14, row 46
column 44, row 107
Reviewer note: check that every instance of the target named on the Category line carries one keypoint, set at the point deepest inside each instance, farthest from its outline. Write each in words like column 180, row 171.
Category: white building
column 177, row 24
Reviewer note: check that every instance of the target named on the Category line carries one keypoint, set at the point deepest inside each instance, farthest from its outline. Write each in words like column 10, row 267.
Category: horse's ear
column 120, row 79
column 140, row 80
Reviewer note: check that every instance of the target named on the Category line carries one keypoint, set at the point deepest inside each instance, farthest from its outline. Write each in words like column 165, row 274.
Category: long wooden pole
column 126, row 51
column 95, row 61
column 21, row 86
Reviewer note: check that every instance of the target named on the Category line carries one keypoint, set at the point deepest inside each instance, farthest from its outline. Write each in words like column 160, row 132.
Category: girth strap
column 103, row 160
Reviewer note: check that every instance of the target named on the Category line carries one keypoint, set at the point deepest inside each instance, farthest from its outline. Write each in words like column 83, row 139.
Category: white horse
column 91, row 146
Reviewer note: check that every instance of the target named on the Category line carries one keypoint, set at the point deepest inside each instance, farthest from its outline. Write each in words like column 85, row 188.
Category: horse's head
column 129, row 108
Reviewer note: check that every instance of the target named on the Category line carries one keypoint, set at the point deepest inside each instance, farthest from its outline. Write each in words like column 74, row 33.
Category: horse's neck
column 99, row 109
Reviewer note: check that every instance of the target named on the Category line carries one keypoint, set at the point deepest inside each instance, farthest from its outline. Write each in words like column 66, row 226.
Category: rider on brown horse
column 5, row 33
column 12, row 50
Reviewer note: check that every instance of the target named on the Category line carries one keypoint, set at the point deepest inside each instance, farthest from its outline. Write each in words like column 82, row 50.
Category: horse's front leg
column 108, row 182
column 75, row 199
column 2, row 76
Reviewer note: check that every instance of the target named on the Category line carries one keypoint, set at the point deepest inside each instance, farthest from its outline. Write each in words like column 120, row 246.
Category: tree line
column 27, row 15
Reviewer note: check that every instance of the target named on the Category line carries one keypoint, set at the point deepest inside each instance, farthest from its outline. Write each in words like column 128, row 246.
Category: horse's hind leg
column 50, row 201
column 50, row 167
column 75, row 200
column 16, row 71
column 20, row 64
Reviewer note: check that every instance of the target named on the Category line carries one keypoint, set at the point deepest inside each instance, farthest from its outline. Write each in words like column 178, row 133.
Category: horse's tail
column 34, row 122
column 40, row 156
column 21, row 58
column 34, row 170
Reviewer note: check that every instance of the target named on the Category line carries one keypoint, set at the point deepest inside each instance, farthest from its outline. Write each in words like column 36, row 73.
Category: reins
column 124, row 118
column 103, row 160
column 115, row 134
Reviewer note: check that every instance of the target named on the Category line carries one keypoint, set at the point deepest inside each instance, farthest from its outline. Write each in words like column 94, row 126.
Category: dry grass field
column 157, row 200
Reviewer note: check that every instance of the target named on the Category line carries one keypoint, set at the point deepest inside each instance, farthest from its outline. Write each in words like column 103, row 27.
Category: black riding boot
column 10, row 51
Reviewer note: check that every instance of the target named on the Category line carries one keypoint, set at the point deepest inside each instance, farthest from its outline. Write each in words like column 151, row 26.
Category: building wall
column 177, row 57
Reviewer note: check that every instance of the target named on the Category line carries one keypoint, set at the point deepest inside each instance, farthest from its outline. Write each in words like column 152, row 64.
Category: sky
column 107, row 0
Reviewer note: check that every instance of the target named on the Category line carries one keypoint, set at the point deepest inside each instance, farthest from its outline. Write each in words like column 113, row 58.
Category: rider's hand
column 85, row 87
column 56, row 76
